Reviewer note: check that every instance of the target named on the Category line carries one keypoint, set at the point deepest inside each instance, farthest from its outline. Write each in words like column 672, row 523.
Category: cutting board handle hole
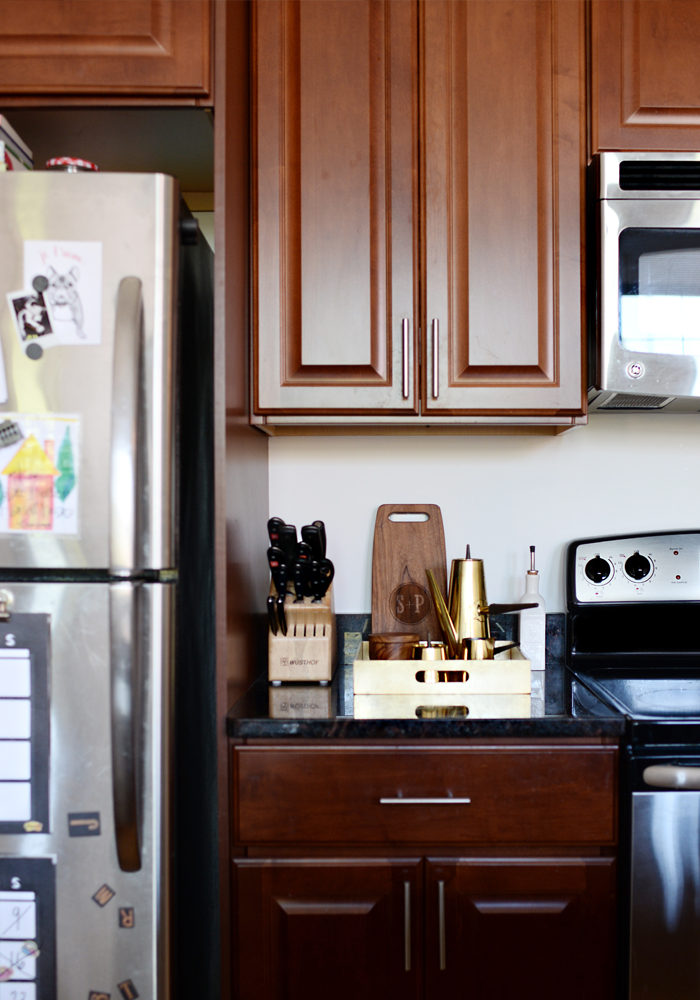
column 397, row 516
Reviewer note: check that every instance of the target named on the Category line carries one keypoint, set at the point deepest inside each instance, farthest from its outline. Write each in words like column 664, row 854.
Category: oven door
column 665, row 877
column 649, row 304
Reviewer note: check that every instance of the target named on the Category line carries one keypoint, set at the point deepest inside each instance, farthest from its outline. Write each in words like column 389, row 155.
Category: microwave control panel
column 633, row 568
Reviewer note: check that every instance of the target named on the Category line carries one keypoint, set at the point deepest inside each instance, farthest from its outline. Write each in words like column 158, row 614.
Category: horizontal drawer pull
column 424, row 802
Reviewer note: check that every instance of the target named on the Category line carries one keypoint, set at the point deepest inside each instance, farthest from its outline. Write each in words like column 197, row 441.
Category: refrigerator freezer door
column 111, row 926
column 69, row 383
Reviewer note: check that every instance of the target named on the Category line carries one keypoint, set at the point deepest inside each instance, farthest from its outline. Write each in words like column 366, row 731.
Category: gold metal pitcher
column 467, row 604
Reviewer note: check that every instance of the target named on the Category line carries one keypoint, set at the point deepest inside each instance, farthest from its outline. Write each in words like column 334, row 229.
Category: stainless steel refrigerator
column 107, row 755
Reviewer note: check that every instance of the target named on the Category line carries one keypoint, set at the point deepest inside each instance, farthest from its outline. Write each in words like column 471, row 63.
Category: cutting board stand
column 307, row 652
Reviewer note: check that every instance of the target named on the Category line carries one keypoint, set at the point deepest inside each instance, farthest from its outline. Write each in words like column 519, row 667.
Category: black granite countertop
column 305, row 711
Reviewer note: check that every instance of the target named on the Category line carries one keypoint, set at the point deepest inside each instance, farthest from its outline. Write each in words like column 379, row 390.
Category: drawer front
column 523, row 795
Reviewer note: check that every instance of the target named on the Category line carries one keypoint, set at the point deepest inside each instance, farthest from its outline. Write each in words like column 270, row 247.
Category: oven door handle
column 671, row 776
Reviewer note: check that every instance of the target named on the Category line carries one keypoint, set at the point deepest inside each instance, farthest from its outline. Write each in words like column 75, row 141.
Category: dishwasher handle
column 671, row 776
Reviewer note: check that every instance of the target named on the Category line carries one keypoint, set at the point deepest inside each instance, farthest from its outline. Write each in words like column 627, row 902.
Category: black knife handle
column 278, row 568
column 288, row 543
column 322, row 532
column 300, row 579
column 311, row 534
column 274, row 525
column 322, row 572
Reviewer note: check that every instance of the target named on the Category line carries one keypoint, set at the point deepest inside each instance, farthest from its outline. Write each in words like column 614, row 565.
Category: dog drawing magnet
column 68, row 273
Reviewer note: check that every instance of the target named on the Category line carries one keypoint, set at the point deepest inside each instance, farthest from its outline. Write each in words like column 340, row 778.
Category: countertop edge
column 543, row 727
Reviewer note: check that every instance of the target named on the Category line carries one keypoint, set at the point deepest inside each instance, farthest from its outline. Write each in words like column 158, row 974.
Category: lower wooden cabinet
column 424, row 872
column 499, row 929
column 441, row 929
column 320, row 929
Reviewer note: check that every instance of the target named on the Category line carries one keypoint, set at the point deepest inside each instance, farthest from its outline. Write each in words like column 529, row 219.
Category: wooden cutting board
column 408, row 539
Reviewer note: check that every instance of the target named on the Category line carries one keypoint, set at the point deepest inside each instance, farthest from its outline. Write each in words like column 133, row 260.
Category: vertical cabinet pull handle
column 405, row 329
column 407, row 926
column 442, row 948
column 436, row 357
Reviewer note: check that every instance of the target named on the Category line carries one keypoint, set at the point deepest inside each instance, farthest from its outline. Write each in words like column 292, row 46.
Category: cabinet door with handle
column 511, row 927
column 334, row 232
column 316, row 929
column 502, row 196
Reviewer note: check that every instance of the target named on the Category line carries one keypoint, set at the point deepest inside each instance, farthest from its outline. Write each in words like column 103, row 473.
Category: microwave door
column 85, row 234
column 650, row 301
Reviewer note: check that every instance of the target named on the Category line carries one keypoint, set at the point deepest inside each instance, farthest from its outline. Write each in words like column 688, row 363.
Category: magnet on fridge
column 104, row 894
column 32, row 321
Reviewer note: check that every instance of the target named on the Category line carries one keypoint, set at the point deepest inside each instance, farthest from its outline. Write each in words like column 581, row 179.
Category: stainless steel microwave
column 644, row 348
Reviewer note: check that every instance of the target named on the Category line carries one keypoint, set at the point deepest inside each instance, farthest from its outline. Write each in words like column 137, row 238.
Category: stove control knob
column 637, row 567
column 598, row 570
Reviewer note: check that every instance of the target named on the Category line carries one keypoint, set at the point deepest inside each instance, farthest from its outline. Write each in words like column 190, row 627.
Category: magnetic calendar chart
column 27, row 928
column 24, row 724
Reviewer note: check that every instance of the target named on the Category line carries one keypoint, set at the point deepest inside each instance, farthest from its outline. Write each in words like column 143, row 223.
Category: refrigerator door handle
column 125, row 654
column 124, row 458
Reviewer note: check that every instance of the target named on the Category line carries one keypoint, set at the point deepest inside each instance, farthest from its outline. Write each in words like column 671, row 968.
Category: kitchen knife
column 311, row 534
column 280, row 575
column 272, row 613
column 321, row 575
column 322, row 532
column 273, row 529
column 288, row 543
column 302, row 566
column 301, row 579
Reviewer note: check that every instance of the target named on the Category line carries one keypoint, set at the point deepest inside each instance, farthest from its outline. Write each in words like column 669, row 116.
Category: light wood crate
column 477, row 689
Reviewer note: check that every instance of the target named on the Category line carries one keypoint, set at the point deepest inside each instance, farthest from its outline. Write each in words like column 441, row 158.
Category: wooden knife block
column 307, row 651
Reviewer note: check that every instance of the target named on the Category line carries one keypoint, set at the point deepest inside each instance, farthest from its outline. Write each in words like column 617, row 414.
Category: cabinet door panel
column 333, row 240
column 502, row 197
column 645, row 84
column 310, row 930
column 496, row 926
column 120, row 47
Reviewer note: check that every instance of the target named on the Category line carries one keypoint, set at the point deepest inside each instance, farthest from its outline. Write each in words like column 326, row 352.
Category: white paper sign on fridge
column 69, row 275
column 39, row 474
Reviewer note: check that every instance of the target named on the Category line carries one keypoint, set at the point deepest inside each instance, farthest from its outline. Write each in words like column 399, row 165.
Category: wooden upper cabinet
column 333, row 234
column 120, row 48
column 645, row 85
column 418, row 208
column 503, row 152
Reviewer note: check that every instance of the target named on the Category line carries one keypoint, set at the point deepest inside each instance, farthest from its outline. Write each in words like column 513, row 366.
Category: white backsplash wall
column 621, row 473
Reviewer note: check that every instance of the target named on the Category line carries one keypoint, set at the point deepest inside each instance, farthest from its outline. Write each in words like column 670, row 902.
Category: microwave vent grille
column 660, row 175
column 621, row 401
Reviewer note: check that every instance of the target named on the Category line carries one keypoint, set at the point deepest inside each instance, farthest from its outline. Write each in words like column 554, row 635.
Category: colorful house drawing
column 30, row 479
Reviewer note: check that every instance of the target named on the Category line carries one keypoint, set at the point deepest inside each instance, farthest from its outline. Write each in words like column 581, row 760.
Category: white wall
column 622, row 473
